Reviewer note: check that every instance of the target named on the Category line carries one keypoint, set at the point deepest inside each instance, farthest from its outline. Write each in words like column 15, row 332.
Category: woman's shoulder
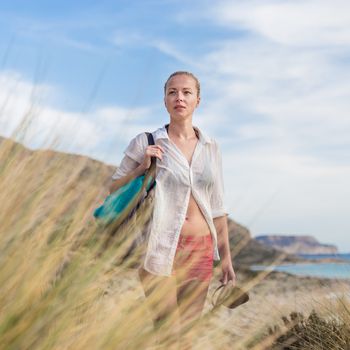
column 142, row 136
column 213, row 146
column 136, row 146
column 208, row 140
column 139, row 139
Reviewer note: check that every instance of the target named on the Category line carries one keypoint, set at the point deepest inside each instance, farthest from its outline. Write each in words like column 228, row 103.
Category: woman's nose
column 179, row 97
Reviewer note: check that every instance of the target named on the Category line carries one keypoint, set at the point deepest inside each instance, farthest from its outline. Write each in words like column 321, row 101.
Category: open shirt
column 175, row 180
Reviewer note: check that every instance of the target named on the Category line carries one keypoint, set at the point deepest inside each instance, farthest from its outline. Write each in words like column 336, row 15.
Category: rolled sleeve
column 134, row 154
column 136, row 147
column 217, row 198
column 126, row 166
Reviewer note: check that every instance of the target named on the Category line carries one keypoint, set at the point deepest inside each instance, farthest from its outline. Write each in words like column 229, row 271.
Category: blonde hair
column 189, row 74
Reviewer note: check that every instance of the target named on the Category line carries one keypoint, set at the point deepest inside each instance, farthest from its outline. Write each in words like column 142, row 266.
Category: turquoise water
column 343, row 256
column 328, row 270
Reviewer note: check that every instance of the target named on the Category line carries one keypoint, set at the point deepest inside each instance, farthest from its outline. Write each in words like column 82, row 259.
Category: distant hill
column 246, row 250
column 297, row 244
column 83, row 176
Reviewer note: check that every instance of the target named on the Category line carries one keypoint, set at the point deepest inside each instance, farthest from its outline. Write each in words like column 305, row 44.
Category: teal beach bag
column 117, row 202
column 122, row 204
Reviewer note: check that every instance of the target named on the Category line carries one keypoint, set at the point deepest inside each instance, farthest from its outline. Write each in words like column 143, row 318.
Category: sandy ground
column 275, row 296
column 272, row 297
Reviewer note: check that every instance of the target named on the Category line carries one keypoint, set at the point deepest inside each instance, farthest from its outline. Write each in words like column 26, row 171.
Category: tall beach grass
column 57, row 292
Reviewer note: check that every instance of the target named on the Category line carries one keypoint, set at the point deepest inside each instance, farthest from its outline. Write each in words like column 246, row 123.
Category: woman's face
column 181, row 96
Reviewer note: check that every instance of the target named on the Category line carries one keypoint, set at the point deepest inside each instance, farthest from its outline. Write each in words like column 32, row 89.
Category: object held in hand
column 229, row 296
column 130, row 206
column 122, row 204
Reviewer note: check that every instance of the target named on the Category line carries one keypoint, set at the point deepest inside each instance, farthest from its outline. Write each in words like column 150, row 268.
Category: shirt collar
column 161, row 133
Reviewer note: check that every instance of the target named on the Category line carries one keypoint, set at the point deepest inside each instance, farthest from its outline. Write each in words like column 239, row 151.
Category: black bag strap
column 151, row 142
column 150, row 138
column 152, row 168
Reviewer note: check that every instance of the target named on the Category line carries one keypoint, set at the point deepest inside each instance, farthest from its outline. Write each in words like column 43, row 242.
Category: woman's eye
column 188, row 92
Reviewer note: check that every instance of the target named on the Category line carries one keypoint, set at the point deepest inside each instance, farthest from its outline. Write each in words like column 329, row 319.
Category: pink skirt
column 194, row 258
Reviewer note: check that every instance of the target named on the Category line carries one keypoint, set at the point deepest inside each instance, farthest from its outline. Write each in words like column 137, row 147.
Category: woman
column 189, row 226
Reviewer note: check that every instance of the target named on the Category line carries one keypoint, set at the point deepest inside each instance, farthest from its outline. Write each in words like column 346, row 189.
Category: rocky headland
column 293, row 244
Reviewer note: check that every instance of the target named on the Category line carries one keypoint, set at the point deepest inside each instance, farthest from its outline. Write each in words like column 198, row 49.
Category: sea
column 317, row 268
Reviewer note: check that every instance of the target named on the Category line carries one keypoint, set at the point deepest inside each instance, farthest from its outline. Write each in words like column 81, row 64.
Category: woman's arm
column 125, row 179
column 221, row 227
column 133, row 169
column 223, row 241
column 220, row 221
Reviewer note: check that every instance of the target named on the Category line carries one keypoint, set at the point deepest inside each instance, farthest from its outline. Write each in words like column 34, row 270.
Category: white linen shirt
column 175, row 180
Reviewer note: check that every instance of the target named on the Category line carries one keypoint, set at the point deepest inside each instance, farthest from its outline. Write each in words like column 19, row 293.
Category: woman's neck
column 183, row 131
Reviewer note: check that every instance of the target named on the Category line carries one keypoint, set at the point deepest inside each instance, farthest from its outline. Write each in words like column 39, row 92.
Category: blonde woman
column 189, row 226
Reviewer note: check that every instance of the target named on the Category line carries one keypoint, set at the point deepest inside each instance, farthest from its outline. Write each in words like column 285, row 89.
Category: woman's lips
column 179, row 107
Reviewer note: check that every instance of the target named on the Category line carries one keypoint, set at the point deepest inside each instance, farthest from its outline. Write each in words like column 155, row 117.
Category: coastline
column 327, row 270
column 310, row 261
column 314, row 259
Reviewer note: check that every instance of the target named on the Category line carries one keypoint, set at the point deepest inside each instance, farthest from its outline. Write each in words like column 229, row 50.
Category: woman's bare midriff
column 195, row 223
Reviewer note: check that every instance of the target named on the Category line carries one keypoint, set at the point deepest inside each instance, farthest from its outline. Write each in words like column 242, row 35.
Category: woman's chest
column 184, row 149
column 176, row 169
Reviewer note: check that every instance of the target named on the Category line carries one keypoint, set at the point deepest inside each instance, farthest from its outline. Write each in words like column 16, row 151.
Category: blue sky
column 275, row 83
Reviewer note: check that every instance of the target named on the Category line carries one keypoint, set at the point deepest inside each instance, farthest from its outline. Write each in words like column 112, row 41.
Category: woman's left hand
column 228, row 274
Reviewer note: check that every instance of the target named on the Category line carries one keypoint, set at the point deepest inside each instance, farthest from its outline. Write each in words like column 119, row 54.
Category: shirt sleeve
column 134, row 154
column 125, row 167
column 217, row 197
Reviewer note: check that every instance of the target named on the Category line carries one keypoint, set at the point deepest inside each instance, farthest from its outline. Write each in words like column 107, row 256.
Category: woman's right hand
column 152, row 151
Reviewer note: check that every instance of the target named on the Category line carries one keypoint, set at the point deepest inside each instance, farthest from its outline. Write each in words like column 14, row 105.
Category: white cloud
column 299, row 98
column 22, row 104
column 39, row 125
column 170, row 50
column 122, row 39
column 281, row 90
column 289, row 22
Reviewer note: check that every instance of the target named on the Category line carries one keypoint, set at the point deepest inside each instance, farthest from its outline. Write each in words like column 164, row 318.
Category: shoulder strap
column 151, row 142
column 150, row 138
column 152, row 169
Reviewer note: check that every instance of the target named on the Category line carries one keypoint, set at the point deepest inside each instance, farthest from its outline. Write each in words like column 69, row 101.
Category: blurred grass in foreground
column 57, row 293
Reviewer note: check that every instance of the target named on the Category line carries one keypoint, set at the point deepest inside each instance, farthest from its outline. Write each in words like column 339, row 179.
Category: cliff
column 246, row 250
column 297, row 244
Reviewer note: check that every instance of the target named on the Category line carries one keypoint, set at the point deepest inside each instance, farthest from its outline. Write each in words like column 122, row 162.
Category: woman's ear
column 198, row 100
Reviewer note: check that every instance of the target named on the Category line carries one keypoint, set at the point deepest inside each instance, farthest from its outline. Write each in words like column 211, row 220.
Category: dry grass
column 55, row 293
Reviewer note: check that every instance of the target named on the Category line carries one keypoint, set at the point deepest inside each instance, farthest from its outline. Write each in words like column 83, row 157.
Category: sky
column 85, row 77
